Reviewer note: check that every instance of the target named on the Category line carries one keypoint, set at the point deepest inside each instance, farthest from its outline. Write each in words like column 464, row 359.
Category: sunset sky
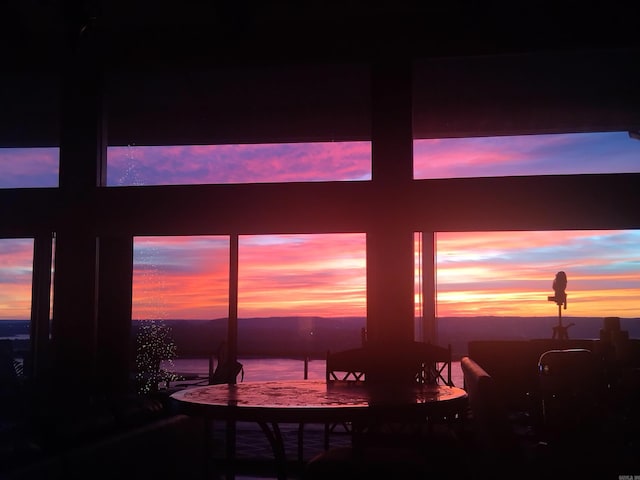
column 497, row 273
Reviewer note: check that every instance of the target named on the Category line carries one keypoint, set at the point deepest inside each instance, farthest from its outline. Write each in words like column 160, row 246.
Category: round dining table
column 270, row 403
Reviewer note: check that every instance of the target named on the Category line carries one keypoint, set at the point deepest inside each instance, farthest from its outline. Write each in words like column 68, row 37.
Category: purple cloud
column 224, row 164
column 29, row 167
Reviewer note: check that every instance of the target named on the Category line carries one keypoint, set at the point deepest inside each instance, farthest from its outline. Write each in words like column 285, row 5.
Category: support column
column 429, row 319
column 82, row 170
column 115, row 349
column 75, row 310
column 390, row 305
column 232, row 326
column 390, row 260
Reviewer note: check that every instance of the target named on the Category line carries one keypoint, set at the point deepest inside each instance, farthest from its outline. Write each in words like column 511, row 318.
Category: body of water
column 261, row 369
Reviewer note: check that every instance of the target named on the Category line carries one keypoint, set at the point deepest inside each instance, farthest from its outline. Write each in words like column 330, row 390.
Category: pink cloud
column 303, row 275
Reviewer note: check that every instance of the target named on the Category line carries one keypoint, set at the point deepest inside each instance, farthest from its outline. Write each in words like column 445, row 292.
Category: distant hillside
column 272, row 336
column 313, row 336
column 299, row 336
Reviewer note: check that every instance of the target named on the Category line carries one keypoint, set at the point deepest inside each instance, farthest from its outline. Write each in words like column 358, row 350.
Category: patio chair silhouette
column 223, row 369
column 434, row 363
column 386, row 445
column 569, row 383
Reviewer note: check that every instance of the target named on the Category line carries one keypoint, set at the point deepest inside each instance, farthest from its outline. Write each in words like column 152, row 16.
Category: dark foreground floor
column 254, row 453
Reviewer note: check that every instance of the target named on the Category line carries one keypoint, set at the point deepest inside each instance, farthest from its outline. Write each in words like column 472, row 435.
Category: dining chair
column 419, row 362
column 570, row 388
column 413, row 362
column 389, row 448
column 345, row 366
column 431, row 364
column 495, row 446
column 224, row 369
column 348, row 365
column 434, row 363
column 369, row 364
column 578, row 427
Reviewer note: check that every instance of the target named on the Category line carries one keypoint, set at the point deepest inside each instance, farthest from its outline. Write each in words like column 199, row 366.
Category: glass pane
column 16, row 274
column 558, row 154
column 180, row 304
column 301, row 294
column 179, row 278
column 511, row 273
column 302, row 275
column 497, row 284
column 418, row 301
column 228, row 164
column 29, row 167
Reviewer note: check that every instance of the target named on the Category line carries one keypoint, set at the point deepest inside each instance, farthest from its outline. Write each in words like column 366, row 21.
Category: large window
column 302, row 275
column 301, row 294
column 279, row 275
column 16, row 274
column 297, row 294
column 497, row 284
column 227, row 164
column 578, row 153
column 511, row 273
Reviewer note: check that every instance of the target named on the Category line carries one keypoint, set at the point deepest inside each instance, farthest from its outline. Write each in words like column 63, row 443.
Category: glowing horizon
column 478, row 274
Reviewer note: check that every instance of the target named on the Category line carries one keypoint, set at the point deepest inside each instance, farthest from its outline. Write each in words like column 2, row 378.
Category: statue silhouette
column 559, row 285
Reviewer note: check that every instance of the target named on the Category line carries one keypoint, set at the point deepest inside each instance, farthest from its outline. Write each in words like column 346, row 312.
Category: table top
column 310, row 400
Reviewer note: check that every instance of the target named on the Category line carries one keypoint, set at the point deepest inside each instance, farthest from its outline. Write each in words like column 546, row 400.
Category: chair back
column 569, row 387
column 433, row 363
column 417, row 362
column 224, row 369
column 347, row 365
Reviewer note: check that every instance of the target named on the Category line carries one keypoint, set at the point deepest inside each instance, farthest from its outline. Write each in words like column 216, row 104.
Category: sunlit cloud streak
column 579, row 153
column 300, row 275
column 511, row 273
column 225, row 164
column 181, row 277
column 29, row 167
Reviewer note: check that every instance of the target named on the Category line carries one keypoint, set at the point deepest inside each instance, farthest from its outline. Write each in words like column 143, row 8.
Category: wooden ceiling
column 245, row 31
column 238, row 71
